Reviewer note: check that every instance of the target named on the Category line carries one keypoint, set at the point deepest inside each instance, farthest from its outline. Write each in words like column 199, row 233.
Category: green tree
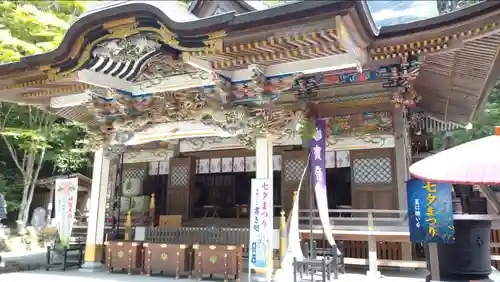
column 32, row 137
column 33, row 27
column 484, row 124
column 447, row 6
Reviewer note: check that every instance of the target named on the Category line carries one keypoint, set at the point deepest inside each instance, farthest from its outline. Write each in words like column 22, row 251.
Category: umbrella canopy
column 475, row 162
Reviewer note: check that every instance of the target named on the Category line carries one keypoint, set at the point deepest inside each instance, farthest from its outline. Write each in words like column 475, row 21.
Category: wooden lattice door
column 373, row 181
column 293, row 164
column 180, row 185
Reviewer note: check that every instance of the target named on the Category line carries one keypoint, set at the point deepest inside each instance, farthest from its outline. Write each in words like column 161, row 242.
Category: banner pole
column 311, row 203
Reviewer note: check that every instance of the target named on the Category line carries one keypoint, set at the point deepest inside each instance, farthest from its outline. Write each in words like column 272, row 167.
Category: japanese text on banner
column 430, row 212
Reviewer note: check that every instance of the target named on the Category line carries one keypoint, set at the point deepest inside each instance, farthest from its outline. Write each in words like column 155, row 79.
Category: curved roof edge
column 366, row 18
column 227, row 21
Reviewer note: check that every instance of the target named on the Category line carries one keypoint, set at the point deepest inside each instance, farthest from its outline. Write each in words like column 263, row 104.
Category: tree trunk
column 32, row 170
column 22, row 207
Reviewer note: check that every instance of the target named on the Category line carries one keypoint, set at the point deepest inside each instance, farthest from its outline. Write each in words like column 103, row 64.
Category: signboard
column 430, row 212
column 261, row 227
column 317, row 148
column 66, row 193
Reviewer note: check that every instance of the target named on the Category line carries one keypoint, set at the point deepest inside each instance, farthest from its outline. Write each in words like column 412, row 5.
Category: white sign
column 66, row 194
column 361, row 143
column 261, row 227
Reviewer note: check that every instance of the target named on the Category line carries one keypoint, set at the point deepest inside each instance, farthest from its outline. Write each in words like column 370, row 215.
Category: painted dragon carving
column 258, row 89
column 118, row 112
column 126, row 49
column 163, row 67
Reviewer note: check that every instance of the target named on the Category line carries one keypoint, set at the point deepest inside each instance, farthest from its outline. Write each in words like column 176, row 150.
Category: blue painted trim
column 127, row 93
column 248, row 80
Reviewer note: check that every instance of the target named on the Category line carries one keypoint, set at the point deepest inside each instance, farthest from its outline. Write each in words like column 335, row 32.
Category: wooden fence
column 495, row 247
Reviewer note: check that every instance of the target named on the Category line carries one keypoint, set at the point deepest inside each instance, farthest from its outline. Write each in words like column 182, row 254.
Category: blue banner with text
column 430, row 212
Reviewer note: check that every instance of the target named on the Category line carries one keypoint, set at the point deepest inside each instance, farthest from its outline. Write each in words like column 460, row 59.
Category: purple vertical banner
column 317, row 148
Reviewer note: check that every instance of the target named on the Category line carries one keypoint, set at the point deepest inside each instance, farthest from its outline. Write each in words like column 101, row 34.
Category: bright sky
column 404, row 10
column 383, row 12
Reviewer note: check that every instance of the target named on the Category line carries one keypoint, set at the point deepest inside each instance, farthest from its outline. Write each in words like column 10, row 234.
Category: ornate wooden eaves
column 289, row 47
column 429, row 45
column 71, row 89
column 119, row 29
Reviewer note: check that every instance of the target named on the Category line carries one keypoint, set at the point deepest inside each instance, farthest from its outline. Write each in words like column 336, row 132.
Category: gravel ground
column 79, row 276
column 21, row 261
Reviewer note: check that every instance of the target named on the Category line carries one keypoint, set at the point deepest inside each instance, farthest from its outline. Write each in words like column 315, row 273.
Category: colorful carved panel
column 360, row 124
column 140, row 58
column 400, row 75
column 131, row 48
column 259, row 89
column 305, row 85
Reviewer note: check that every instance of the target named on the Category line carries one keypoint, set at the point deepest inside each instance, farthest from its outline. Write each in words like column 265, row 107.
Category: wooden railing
column 357, row 221
column 375, row 236
column 369, row 237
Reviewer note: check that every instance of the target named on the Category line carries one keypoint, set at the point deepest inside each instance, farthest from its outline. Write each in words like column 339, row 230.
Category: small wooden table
column 211, row 209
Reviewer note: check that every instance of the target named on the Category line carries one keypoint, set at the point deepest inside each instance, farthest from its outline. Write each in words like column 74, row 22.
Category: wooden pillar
column 402, row 158
column 97, row 214
column 372, row 250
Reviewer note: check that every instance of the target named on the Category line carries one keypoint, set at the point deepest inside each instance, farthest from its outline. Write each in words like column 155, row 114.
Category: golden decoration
column 214, row 43
column 164, row 256
column 59, row 90
column 120, row 254
column 118, row 32
column 26, row 84
column 167, row 36
column 119, row 22
column 123, row 31
column 212, row 259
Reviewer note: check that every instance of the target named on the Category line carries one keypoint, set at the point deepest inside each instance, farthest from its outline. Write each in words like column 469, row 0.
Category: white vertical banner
column 66, row 193
column 294, row 249
column 261, row 227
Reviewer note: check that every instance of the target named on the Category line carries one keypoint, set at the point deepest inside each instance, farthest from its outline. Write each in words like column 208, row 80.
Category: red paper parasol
column 475, row 162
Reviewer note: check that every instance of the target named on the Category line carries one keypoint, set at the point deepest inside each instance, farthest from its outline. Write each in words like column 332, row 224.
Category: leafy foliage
column 35, row 142
column 33, row 27
column 485, row 123
column 68, row 152
column 307, row 129
column 447, row 6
